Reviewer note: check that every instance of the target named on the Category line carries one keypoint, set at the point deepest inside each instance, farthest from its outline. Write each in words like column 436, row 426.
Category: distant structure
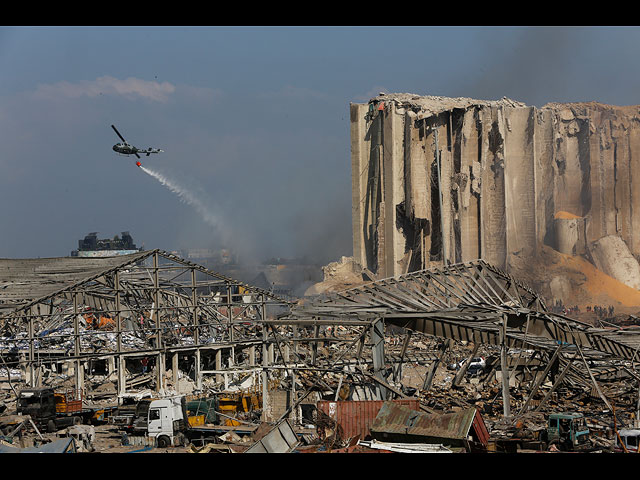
column 91, row 246
column 285, row 277
column 222, row 256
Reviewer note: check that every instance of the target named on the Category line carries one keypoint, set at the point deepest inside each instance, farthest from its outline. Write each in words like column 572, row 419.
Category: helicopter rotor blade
column 118, row 133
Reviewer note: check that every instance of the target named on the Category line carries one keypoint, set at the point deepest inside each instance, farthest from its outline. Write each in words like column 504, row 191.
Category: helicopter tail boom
column 127, row 149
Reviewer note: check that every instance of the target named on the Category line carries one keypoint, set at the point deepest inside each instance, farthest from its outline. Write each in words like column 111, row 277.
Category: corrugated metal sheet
column 400, row 420
column 356, row 417
column 281, row 439
column 480, row 429
column 405, row 447
column 64, row 445
column 23, row 280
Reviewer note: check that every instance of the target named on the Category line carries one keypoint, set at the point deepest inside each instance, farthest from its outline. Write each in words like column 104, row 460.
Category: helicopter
column 125, row 148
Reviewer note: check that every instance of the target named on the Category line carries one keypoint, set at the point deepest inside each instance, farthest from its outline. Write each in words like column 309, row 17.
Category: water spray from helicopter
column 186, row 196
column 192, row 196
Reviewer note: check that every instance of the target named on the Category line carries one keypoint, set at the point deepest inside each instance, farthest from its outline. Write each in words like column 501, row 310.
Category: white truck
column 168, row 424
column 166, row 421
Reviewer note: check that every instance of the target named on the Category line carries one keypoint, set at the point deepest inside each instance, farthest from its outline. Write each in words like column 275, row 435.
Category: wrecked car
column 476, row 366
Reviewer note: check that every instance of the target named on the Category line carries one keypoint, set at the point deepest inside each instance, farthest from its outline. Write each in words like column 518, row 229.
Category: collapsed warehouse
column 220, row 336
column 463, row 213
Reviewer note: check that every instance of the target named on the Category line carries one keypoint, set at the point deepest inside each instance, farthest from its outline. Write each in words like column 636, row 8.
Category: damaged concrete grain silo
column 445, row 180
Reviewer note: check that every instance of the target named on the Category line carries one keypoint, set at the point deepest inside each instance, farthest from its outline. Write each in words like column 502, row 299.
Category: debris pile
column 445, row 343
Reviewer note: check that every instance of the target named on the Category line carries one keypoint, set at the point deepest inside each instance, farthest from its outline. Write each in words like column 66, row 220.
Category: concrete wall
column 440, row 179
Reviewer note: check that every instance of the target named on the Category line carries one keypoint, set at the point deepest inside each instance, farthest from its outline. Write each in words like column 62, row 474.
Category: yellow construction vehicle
column 230, row 404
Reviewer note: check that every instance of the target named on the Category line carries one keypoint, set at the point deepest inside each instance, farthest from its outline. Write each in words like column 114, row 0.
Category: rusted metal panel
column 480, row 429
column 355, row 417
column 395, row 421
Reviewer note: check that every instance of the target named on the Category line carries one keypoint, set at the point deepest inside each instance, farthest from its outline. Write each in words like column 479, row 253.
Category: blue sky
column 253, row 121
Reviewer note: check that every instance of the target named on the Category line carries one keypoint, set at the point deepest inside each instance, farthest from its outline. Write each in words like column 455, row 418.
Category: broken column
column 612, row 256
column 569, row 233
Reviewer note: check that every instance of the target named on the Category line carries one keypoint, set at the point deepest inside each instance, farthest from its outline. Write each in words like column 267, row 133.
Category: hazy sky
column 253, row 121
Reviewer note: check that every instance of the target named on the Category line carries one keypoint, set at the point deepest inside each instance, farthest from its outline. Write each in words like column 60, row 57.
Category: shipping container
column 356, row 416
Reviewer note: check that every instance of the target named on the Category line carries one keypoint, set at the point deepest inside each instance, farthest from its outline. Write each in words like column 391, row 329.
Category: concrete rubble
column 317, row 432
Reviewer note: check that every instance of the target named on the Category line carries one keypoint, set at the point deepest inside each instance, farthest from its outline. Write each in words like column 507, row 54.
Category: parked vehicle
column 166, row 423
column 132, row 418
column 52, row 410
column 476, row 366
column 126, row 413
column 568, row 431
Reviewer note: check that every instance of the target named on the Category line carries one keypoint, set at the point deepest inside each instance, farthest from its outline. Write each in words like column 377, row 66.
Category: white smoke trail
column 187, row 197
column 226, row 234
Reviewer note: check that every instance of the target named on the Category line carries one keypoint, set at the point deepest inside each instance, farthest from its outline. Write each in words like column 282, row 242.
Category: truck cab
column 39, row 404
column 42, row 406
column 166, row 420
column 568, row 430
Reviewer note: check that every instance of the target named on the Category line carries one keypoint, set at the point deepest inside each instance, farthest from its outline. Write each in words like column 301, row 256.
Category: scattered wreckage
column 165, row 354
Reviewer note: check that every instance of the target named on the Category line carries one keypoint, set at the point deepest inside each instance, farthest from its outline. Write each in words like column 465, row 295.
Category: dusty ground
column 109, row 440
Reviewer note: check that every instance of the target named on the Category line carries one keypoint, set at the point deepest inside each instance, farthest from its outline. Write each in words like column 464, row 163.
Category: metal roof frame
column 469, row 301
